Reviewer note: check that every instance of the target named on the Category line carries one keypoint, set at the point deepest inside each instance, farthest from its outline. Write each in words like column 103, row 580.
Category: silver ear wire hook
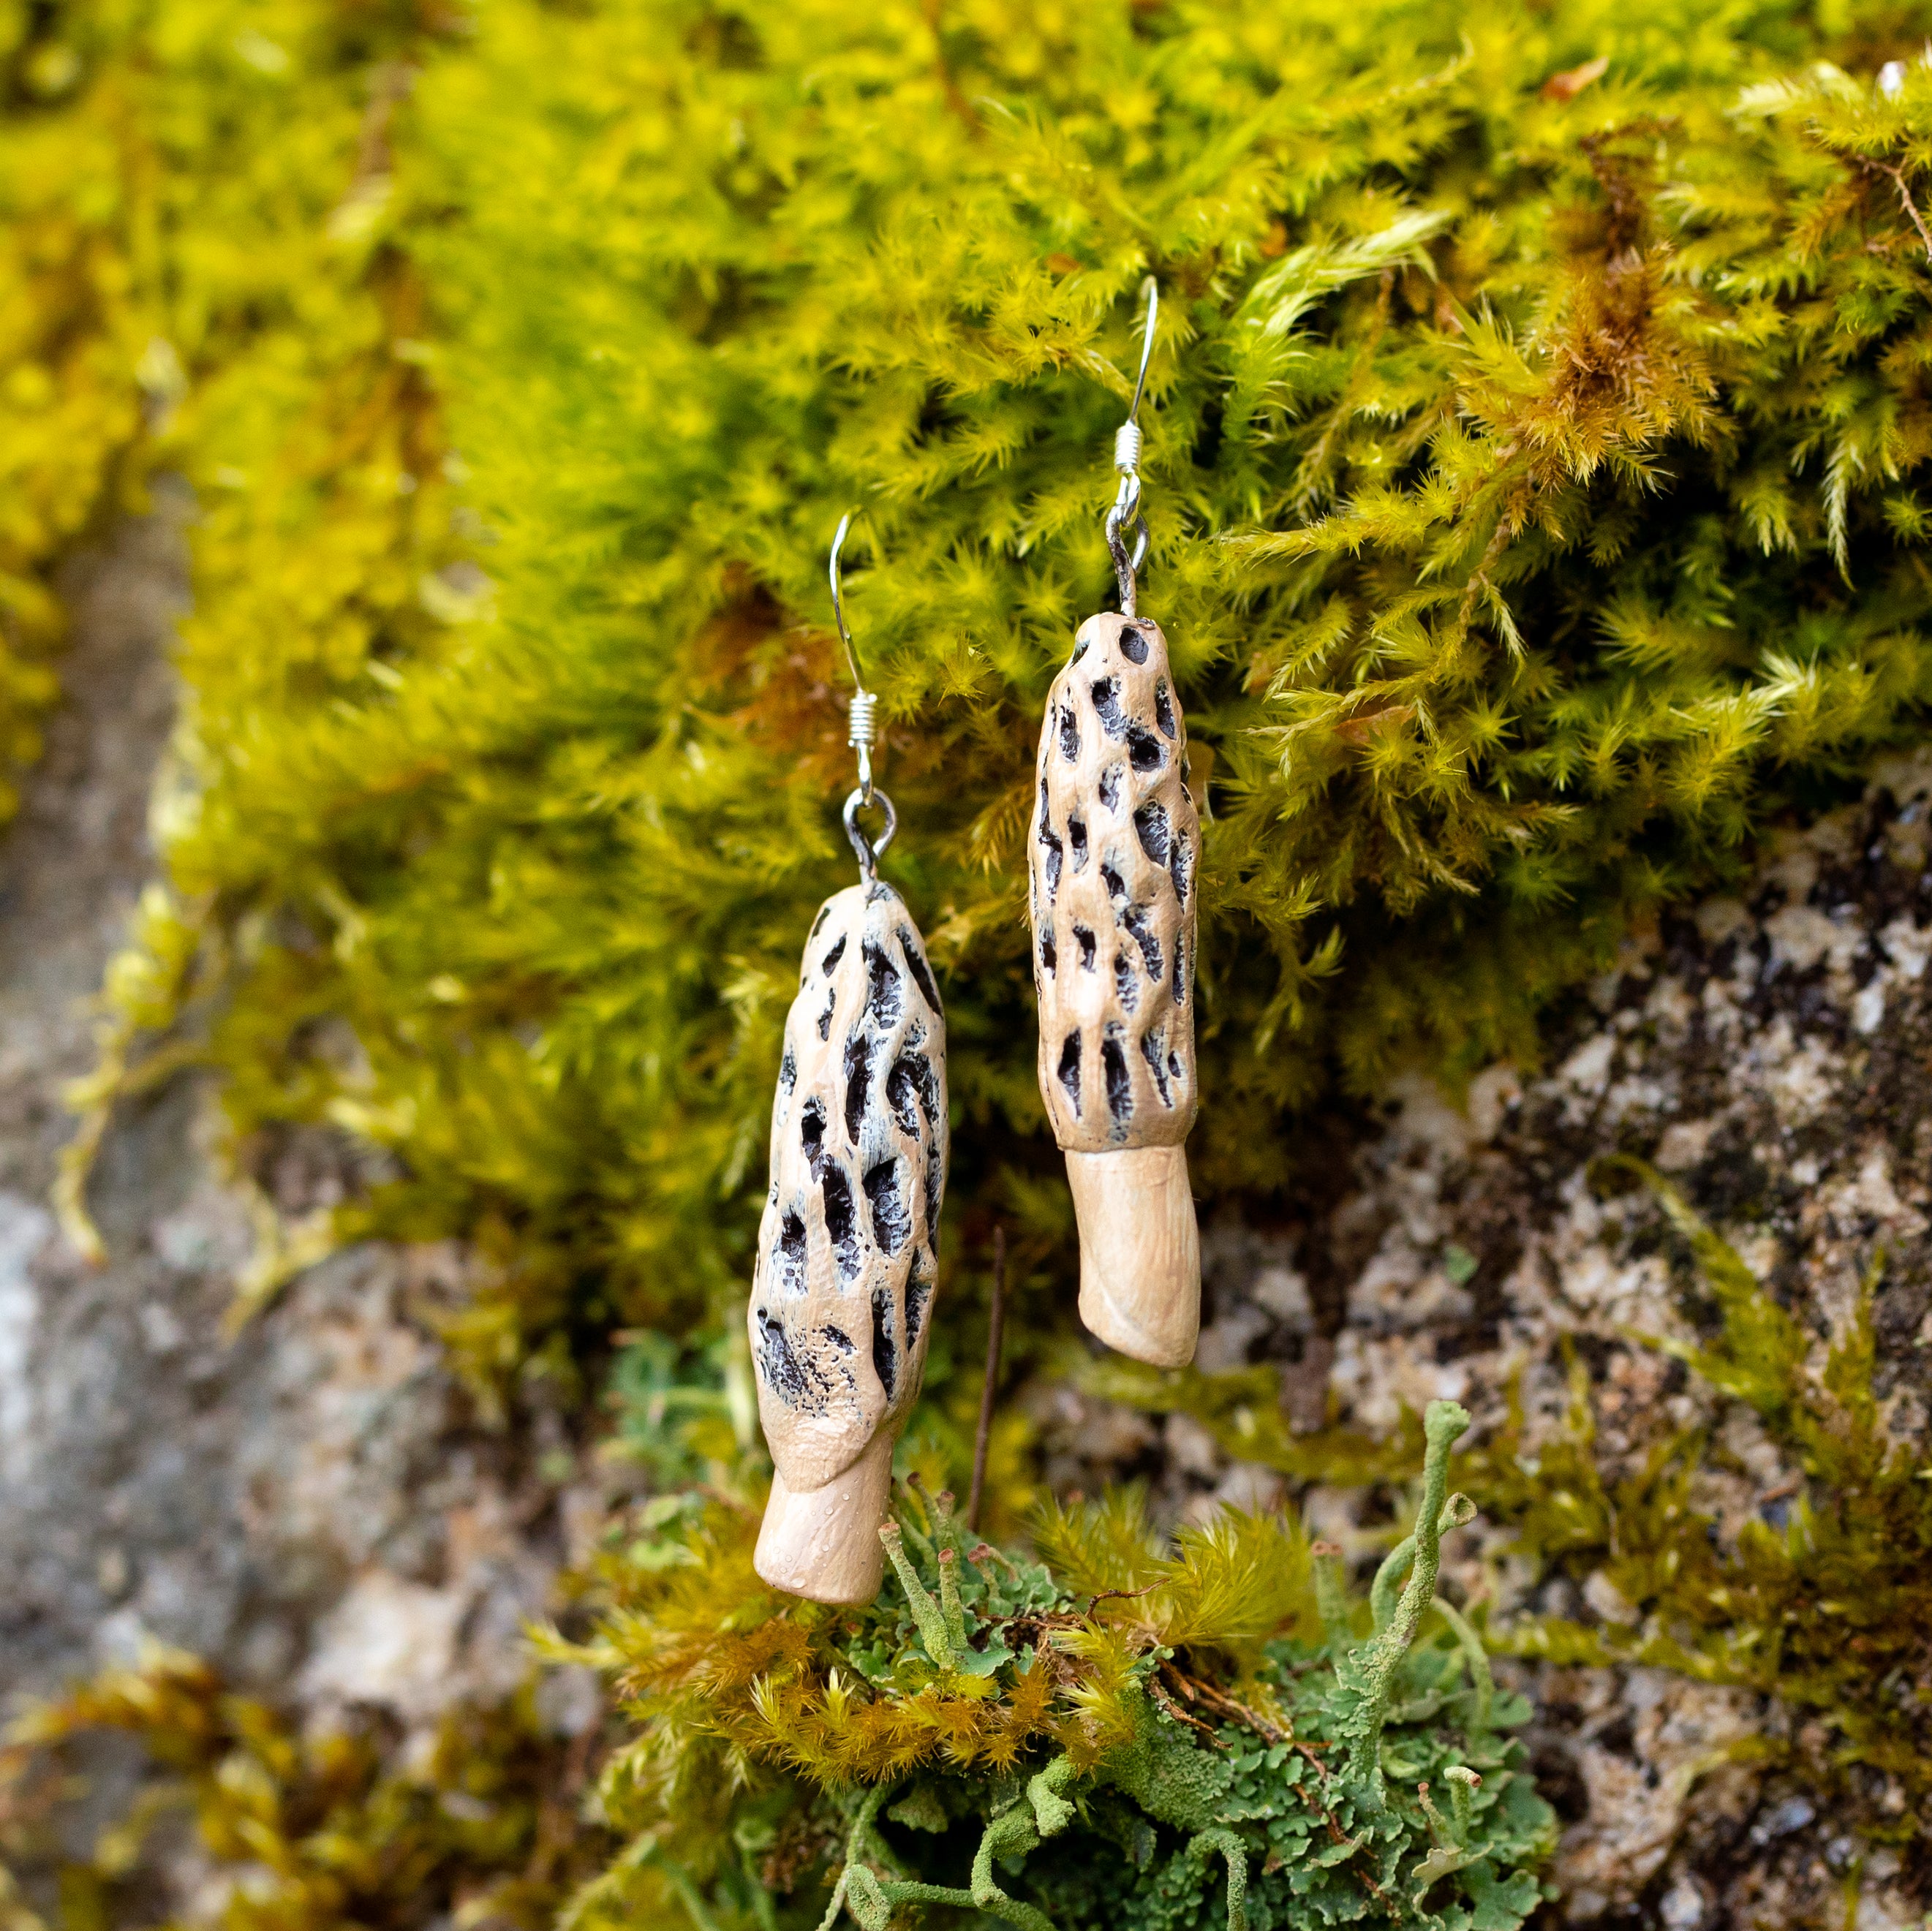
column 861, row 733
column 862, row 711
column 1126, row 515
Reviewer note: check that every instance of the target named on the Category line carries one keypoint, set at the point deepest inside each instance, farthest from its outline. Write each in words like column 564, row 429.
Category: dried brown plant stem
column 1897, row 175
column 994, row 1332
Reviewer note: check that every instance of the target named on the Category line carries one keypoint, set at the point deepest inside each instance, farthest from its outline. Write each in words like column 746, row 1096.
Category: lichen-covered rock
column 1769, row 1052
column 312, row 1504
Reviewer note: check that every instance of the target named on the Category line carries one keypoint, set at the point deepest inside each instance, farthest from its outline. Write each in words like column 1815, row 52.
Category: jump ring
column 869, row 853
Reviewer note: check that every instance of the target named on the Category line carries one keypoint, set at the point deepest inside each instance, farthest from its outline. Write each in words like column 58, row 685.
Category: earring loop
column 841, row 1309
column 869, row 854
column 1125, row 519
column 862, row 731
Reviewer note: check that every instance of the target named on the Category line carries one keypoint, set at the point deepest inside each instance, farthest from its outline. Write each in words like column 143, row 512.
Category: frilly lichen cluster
column 1104, row 1731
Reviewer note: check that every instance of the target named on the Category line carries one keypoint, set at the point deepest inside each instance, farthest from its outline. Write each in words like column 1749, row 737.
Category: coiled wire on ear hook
column 1125, row 518
column 861, row 733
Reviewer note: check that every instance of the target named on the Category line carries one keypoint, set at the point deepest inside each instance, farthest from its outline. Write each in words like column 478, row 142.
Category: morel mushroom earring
column 848, row 1248
column 1112, row 860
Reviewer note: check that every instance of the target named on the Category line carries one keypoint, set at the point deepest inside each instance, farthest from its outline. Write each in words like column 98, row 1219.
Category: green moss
column 1530, row 470
column 1827, row 1610
column 1534, row 452
column 1241, row 1408
column 1824, row 1611
column 316, row 1833
column 194, row 274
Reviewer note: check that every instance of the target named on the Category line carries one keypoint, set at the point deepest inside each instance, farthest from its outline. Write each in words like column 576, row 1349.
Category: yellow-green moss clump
column 297, row 1833
column 1532, row 449
column 189, row 276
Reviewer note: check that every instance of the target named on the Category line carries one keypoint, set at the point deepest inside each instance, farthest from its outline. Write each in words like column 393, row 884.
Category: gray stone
column 311, row 1505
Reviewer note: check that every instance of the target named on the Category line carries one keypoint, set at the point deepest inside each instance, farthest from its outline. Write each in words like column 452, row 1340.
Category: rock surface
column 310, row 1502
column 1772, row 1054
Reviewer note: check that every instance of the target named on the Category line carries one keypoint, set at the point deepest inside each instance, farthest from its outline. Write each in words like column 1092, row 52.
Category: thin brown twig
column 1181, row 1716
column 994, row 1335
column 1897, row 175
column 955, row 99
column 1123, row 1595
column 1194, row 1689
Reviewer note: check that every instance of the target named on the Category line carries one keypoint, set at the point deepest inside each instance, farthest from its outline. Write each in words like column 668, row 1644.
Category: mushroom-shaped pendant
column 1113, row 855
column 848, row 1250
